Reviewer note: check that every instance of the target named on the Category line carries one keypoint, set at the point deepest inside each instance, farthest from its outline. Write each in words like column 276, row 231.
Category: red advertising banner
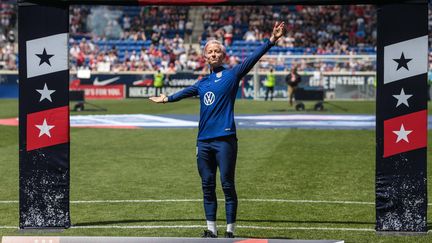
column 115, row 92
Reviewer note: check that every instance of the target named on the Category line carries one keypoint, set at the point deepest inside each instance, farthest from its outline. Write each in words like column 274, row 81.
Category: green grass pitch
column 287, row 164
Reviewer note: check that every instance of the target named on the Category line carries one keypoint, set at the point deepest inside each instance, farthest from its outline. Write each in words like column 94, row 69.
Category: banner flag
column 43, row 116
column 401, row 118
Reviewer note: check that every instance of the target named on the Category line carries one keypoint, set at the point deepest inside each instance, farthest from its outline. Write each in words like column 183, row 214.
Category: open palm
column 158, row 99
column 278, row 31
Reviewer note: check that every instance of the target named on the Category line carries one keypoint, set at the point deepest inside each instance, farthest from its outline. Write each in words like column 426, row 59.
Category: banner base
column 40, row 230
column 400, row 233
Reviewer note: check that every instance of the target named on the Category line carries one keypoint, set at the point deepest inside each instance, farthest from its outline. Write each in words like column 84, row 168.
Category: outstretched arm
column 243, row 68
column 187, row 92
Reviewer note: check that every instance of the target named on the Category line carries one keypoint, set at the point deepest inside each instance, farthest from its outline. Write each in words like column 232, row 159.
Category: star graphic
column 402, row 98
column 44, row 128
column 402, row 134
column 402, row 62
column 45, row 93
column 44, row 57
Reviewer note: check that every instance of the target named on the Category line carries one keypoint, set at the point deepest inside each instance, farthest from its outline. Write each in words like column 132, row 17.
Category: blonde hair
column 222, row 47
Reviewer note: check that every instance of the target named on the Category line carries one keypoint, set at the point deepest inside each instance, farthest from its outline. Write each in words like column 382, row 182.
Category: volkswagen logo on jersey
column 209, row 98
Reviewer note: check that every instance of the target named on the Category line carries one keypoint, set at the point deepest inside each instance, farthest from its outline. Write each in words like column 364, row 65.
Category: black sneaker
column 208, row 234
column 229, row 234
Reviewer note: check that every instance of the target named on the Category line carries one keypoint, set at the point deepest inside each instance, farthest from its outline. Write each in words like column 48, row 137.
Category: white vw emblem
column 209, row 98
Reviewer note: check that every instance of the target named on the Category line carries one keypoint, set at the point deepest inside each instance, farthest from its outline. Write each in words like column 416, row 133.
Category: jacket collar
column 218, row 69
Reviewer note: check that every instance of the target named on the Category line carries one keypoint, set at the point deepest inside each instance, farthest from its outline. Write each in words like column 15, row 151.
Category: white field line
column 8, row 227
column 8, row 202
column 307, row 201
column 203, row 226
column 200, row 200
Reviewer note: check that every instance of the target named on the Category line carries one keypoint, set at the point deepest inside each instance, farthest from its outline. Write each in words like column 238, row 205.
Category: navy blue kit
column 217, row 140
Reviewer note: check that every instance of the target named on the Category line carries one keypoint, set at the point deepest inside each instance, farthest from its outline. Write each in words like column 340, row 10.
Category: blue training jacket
column 217, row 92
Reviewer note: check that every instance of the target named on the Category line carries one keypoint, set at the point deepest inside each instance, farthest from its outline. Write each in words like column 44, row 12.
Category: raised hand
column 278, row 31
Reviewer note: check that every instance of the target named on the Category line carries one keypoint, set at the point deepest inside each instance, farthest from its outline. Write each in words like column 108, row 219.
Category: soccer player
column 217, row 140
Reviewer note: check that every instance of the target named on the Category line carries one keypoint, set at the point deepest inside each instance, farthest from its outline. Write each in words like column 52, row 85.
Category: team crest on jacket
column 219, row 74
column 209, row 98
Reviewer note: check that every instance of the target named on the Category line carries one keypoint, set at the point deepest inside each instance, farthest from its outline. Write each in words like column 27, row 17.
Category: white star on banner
column 402, row 98
column 402, row 134
column 44, row 128
column 45, row 93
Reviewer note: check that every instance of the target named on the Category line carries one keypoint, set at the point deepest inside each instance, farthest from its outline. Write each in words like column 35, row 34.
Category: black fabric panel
column 401, row 179
column 412, row 85
column 44, row 172
column 55, row 82
column 44, row 188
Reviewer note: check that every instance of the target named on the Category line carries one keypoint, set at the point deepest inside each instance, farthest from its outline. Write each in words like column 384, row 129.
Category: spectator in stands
column 74, row 50
column 228, row 38
column 292, row 80
column 155, row 38
column 2, row 59
column 126, row 23
column 250, row 35
column 270, row 84
column 189, row 28
column 145, row 60
column 217, row 141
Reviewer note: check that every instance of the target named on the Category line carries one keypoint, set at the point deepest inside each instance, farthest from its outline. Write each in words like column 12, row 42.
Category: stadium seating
column 304, row 33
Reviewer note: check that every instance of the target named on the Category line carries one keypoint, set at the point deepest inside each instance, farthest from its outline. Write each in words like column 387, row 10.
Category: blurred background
column 332, row 47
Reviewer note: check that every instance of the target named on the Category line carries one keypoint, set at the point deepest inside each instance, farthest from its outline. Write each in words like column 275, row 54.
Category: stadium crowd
column 332, row 29
column 147, row 38
column 8, row 41
column 162, row 31
column 131, row 38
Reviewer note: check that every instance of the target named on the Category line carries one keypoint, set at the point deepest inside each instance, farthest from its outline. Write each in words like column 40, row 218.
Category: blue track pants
column 218, row 152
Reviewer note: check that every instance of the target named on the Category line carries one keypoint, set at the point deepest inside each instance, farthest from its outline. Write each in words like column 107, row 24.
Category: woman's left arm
column 244, row 67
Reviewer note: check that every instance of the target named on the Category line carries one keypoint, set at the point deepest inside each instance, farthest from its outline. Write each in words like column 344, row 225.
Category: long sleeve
column 184, row 93
column 244, row 67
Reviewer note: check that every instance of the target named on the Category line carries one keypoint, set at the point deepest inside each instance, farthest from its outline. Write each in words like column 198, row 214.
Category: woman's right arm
column 184, row 93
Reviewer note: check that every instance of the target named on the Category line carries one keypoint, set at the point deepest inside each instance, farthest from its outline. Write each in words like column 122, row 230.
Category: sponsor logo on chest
column 209, row 98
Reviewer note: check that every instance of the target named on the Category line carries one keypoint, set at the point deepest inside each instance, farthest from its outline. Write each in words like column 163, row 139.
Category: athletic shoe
column 208, row 234
column 229, row 234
